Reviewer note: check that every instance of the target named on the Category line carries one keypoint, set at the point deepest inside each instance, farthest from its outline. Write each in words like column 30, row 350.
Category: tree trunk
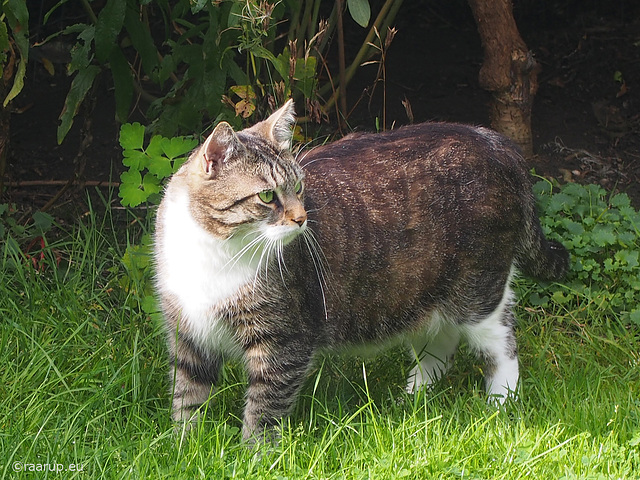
column 509, row 71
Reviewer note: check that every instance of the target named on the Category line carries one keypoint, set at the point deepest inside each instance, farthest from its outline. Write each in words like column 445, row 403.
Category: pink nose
column 300, row 219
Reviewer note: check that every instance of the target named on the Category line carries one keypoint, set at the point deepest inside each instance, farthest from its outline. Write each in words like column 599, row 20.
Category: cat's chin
column 283, row 234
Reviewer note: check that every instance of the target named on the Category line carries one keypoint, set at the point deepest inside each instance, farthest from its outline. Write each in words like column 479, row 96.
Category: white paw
column 421, row 377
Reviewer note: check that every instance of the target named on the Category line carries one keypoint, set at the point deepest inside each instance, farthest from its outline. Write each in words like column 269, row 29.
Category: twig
column 89, row 10
column 53, row 183
column 385, row 16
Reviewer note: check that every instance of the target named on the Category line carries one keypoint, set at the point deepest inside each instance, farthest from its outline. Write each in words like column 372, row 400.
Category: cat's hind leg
column 493, row 339
column 433, row 354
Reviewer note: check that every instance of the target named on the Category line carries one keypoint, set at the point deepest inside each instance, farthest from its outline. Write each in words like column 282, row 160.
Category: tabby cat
column 413, row 235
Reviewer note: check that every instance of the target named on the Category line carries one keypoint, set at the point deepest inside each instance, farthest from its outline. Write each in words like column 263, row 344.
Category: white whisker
column 236, row 257
column 320, row 265
column 313, row 161
column 281, row 262
column 264, row 255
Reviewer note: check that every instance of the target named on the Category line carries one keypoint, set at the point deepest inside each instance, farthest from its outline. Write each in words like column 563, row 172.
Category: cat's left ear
column 278, row 127
column 220, row 145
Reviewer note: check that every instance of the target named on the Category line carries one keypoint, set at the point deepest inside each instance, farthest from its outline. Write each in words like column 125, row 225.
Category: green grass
column 83, row 382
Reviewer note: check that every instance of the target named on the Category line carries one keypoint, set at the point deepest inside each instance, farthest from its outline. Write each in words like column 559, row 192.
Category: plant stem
column 342, row 88
column 386, row 15
column 89, row 10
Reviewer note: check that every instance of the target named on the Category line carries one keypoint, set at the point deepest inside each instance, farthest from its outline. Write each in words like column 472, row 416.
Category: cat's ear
column 278, row 127
column 218, row 147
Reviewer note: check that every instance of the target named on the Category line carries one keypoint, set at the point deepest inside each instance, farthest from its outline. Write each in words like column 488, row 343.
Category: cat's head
column 248, row 183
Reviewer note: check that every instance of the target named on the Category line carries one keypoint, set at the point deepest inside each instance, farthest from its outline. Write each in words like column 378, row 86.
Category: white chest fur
column 198, row 270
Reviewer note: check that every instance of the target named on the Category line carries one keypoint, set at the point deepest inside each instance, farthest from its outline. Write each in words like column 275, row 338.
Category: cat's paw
column 419, row 378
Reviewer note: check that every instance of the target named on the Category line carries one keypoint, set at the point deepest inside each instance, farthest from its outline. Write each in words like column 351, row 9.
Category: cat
column 412, row 234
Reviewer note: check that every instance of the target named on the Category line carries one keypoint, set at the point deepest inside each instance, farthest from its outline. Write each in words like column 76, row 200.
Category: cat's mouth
column 284, row 234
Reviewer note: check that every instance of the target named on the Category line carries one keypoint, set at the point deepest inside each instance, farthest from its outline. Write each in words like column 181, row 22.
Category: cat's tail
column 536, row 256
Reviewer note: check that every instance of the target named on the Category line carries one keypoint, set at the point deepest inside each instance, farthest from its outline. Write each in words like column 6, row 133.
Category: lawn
column 83, row 391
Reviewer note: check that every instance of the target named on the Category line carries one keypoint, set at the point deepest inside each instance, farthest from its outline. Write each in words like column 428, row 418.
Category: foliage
column 150, row 165
column 195, row 61
column 14, row 44
column 122, row 30
column 25, row 240
column 602, row 233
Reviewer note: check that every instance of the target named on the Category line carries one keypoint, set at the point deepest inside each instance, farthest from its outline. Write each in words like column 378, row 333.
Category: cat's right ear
column 218, row 147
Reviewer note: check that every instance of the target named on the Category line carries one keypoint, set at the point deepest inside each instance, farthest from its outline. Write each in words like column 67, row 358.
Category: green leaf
column 17, row 16
column 160, row 165
column 628, row 259
column 131, row 195
column 135, row 159
column 142, row 41
column 542, row 188
column 262, row 52
column 197, row 5
column 131, row 177
column 559, row 297
column 559, row 201
column 167, row 67
column 42, row 222
column 123, row 83
column 572, row 227
column 17, row 13
column 603, row 235
column 132, row 136
column 536, row 300
column 18, row 82
column 149, row 304
column 305, row 75
column 620, row 200
column 282, row 65
column 4, row 41
column 108, row 27
column 235, row 15
column 81, row 51
column 131, row 192
column 154, row 149
column 617, row 76
column 178, row 162
column 177, row 146
column 151, row 184
column 628, row 238
column 79, row 87
column 360, row 11
column 608, row 265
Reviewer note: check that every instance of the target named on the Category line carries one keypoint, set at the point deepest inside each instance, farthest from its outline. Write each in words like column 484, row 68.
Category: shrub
column 601, row 231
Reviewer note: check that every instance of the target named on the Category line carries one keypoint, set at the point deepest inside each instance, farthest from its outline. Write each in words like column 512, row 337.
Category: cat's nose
column 300, row 218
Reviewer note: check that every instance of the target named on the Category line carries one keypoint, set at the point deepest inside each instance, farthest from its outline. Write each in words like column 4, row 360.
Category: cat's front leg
column 192, row 375
column 276, row 374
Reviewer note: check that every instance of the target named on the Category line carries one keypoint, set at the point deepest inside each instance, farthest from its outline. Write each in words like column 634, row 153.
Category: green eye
column 268, row 196
column 298, row 187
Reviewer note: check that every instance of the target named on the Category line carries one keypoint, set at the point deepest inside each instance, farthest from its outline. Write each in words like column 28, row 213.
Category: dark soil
column 586, row 117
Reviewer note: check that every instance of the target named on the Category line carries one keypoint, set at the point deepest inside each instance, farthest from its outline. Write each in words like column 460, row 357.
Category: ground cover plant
column 83, row 388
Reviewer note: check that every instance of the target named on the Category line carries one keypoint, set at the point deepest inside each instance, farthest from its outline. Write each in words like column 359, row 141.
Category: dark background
column 586, row 123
